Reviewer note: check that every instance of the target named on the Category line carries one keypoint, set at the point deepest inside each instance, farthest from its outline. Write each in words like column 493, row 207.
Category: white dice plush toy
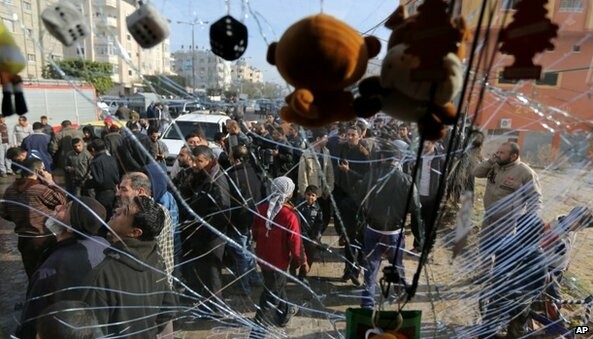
column 65, row 23
column 147, row 26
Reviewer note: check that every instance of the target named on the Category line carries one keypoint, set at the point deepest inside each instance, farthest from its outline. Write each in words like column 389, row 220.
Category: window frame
column 509, row 5
column 571, row 6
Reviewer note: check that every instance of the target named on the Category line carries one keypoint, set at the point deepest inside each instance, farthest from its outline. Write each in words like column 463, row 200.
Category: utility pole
column 193, row 51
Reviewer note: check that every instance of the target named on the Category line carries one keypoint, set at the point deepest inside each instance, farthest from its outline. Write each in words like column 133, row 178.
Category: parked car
column 98, row 126
column 174, row 134
column 180, row 107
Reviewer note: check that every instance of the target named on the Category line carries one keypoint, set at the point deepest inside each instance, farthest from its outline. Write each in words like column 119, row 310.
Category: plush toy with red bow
column 12, row 62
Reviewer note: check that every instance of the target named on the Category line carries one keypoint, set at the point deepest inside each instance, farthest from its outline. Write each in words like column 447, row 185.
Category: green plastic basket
column 358, row 321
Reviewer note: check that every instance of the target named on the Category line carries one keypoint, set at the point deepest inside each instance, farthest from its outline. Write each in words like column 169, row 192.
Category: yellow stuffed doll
column 12, row 62
column 397, row 93
column 320, row 56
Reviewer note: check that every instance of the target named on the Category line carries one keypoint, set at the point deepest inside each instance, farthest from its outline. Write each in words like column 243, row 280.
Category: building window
column 503, row 81
column 9, row 24
column 576, row 48
column 508, row 5
column 27, row 6
column 115, row 69
column 31, row 57
column 80, row 51
column 548, row 79
column 571, row 6
column 129, row 73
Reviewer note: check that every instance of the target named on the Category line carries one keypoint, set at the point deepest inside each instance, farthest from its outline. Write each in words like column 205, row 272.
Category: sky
column 274, row 16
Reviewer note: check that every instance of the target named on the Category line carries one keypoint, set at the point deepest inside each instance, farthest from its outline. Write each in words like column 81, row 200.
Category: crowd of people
column 124, row 235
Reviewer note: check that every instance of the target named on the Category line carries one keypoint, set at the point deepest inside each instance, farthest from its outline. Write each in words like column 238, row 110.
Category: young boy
column 77, row 167
column 311, row 218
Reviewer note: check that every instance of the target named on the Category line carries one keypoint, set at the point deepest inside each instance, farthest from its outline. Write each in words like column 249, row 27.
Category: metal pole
column 193, row 57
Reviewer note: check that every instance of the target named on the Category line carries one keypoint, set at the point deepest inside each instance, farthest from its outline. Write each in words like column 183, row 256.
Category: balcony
column 107, row 22
column 106, row 3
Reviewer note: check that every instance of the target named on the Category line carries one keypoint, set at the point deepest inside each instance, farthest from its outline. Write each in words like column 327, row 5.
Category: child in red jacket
column 277, row 233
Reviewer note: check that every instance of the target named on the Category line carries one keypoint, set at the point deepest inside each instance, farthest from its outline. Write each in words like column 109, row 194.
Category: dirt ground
column 323, row 305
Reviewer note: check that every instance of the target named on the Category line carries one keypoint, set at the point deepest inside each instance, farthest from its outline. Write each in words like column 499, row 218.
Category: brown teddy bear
column 398, row 91
column 320, row 56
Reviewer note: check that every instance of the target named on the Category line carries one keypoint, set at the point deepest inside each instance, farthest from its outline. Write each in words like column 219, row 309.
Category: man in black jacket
column 350, row 168
column 385, row 192
column 134, row 151
column 246, row 193
column 205, row 188
column 132, row 295
column 104, row 175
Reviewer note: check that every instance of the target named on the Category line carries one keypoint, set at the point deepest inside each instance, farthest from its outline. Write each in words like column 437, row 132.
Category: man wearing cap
column 107, row 122
column 132, row 274
column 68, row 263
column 39, row 142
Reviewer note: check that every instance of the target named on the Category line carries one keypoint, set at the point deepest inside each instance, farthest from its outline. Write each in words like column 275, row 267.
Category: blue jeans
column 375, row 247
column 244, row 260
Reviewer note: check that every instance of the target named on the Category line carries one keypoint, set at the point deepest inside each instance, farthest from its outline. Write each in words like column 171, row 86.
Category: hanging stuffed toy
column 422, row 71
column 320, row 56
column 528, row 34
column 228, row 38
column 12, row 62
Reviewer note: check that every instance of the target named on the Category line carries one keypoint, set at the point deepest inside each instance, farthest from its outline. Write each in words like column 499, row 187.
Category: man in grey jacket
column 512, row 190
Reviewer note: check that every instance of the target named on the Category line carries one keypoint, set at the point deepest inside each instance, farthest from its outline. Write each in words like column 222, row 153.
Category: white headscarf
column 282, row 188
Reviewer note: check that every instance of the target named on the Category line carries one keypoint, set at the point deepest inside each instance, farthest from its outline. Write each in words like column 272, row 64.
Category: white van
column 174, row 134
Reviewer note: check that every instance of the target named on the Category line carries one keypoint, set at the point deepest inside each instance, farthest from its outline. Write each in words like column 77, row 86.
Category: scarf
column 282, row 188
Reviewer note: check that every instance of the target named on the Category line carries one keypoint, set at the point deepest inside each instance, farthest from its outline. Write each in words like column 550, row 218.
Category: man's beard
column 501, row 162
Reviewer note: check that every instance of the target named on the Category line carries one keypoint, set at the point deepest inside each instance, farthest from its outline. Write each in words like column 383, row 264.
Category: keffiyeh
column 282, row 188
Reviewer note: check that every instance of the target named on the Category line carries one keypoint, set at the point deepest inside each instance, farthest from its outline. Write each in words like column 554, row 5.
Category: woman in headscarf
column 277, row 232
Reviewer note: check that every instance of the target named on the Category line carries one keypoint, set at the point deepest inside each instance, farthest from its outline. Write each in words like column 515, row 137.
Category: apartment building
column 242, row 71
column 558, row 106
column 209, row 70
column 107, row 22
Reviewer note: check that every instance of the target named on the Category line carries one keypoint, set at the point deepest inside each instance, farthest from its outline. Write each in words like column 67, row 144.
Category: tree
column 96, row 73
column 167, row 84
column 271, row 90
